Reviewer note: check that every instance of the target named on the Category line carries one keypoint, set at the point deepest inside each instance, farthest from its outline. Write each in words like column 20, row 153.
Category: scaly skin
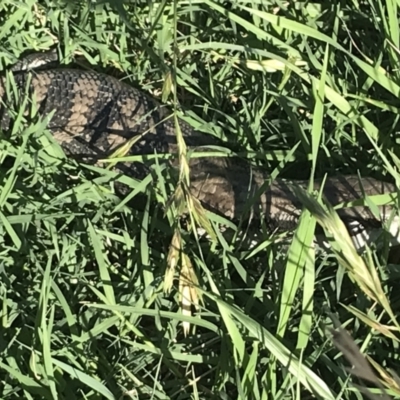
column 96, row 113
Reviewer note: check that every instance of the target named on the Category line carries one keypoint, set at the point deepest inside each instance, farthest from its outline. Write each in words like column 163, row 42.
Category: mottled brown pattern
column 95, row 114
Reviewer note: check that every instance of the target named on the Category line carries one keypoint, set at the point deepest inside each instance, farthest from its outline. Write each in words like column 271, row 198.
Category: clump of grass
column 300, row 92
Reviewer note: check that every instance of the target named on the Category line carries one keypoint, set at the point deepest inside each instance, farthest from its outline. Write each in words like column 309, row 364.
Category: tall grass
column 301, row 90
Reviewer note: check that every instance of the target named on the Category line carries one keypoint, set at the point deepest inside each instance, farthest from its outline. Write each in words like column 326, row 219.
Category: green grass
column 301, row 90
